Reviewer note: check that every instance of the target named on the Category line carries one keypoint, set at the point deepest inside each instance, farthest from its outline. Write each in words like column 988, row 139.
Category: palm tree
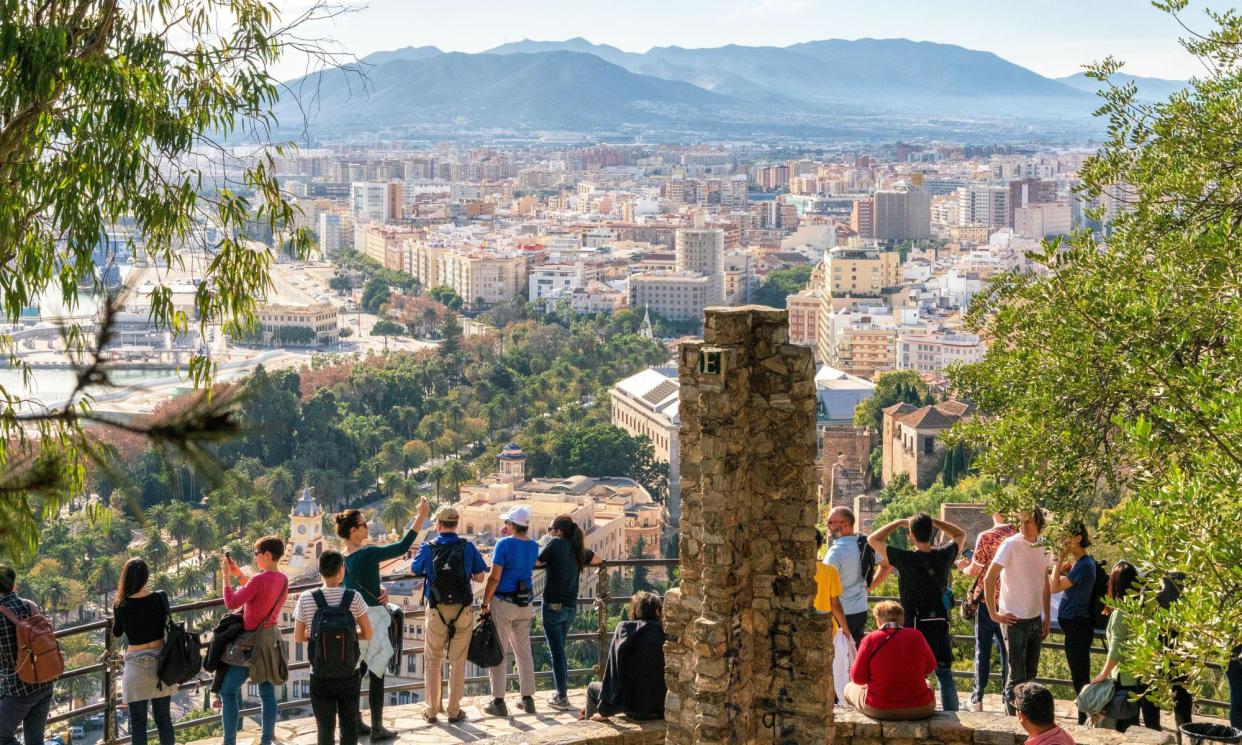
column 156, row 550
column 55, row 593
column 211, row 565
column 396, row 512
column 202, row 533
column 280, row 485
column 456, row 473
column 103, row 576
column 179, row 526
column 436, row 474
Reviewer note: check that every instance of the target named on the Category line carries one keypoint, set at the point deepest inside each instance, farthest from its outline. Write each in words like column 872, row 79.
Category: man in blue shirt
column 845, row 554
column 513, row 563
column 449, row 562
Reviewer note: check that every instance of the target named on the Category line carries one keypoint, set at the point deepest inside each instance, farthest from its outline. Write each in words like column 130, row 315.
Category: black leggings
column 375, row 701
column 1079, row 633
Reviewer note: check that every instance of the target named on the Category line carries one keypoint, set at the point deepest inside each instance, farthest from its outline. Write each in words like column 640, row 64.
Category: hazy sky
column 1052, row 37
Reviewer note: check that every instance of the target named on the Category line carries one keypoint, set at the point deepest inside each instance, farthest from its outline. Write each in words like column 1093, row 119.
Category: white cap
column 518, row 516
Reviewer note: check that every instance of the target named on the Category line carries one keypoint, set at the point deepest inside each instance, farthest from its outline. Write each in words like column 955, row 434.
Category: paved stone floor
column 412, row 730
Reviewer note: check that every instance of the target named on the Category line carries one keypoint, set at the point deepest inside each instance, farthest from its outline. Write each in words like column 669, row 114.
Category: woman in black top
column 140, row 615
column 564, row 556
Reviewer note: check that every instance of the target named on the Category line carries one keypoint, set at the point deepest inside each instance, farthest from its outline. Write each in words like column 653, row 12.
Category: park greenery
column 1110, row 389
column 781, row 283
column 109, row 115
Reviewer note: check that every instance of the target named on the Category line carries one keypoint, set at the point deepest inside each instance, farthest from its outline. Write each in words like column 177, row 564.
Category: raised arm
column 955, row 534
column 878, row 540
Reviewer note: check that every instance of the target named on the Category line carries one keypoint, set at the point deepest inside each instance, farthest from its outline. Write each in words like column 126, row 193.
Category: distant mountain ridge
column 577, row 85
column 1152, row 89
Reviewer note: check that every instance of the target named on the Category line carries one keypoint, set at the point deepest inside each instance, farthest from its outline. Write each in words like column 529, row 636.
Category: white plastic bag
column 842, row 660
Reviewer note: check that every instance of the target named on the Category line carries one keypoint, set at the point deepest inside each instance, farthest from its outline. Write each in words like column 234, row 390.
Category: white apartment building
column 701, row 250
column 331, row 233
column 1042, row 220
column 933, row 351
column 983, row 204
column 677, row 296
column 553, row 279
column 375, row 201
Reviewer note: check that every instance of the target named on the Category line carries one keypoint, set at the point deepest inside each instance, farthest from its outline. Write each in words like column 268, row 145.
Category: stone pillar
column 748, row 658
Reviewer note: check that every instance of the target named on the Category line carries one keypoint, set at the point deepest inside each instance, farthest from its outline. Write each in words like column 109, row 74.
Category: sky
column 1052, row 37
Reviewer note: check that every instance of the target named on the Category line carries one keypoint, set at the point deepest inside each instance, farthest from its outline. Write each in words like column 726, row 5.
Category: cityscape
column 722, row 310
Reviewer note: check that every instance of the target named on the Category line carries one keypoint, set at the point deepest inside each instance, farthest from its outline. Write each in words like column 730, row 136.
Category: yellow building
column 862, row 272
column 320, row 318
column 483, row 279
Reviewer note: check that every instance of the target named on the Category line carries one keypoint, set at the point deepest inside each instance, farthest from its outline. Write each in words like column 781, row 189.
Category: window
column 929, row 445
column 298, row 648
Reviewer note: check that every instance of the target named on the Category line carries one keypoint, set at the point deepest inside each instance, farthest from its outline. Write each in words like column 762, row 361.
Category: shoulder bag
column 239, row 651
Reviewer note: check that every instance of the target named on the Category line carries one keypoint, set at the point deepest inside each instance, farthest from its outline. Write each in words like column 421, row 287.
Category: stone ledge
column 619, row 731
column 971, row 728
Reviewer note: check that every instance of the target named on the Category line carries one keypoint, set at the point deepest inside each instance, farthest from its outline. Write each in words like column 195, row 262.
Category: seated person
column 1036, row 712
column 634, row 671
column 889, row 676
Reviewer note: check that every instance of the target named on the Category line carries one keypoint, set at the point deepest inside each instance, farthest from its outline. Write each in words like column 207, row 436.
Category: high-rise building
column 862, row 218
column 984, row 204
column 1027, row 191
column 700, row 249
column 901, row 216
column 862, row 272
column 331, row 234
column 375, row 201
column 677, row 296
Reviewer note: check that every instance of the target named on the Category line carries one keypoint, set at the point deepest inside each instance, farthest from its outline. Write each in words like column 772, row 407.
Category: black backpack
column 334, row 638
column 866, row 560
column 449, row 583
column 181, row 657
column 1098, row 590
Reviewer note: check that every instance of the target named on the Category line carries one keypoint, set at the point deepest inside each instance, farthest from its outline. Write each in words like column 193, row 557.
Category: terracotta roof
column 898, row 409
column 955, row 408
column 928, row 417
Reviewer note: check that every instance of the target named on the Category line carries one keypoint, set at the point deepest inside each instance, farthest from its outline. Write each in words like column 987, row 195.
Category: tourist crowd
column 1017, row 577
column 350, row 635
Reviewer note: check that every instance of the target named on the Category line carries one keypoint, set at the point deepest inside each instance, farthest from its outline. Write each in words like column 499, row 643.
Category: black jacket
column 228, row 629
column 634, row 672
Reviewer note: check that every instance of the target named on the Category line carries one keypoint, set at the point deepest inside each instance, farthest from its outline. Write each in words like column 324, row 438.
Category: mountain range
column 825, row 86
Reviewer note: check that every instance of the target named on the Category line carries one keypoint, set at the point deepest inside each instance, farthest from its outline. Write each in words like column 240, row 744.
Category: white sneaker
column 976, row 706
column 560, row 702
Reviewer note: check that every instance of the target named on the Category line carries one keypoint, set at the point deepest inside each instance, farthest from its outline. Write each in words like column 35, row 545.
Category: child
column 325, row 613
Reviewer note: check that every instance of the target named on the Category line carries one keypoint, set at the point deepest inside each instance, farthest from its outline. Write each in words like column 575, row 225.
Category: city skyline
column 1035, row 35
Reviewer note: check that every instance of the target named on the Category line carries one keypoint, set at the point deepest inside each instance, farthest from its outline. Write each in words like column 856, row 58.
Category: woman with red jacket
column 889, row 676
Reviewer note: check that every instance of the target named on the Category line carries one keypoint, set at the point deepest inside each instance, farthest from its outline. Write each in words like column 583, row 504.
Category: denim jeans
column 858, row 625
column 230, row 705
column 987, row 633
column 1234, row 674
column 162, row 709
column 948, row 688
column 1023, row 640
column 556, row 625
column 29, row 711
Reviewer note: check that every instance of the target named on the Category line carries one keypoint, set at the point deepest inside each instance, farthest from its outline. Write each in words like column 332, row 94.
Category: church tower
column 306, row 539
column 512, row 464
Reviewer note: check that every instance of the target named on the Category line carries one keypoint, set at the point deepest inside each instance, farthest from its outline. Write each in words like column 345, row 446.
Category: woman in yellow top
column 828, row 589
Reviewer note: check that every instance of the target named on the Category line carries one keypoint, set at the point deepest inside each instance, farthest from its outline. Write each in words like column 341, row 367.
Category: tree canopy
column 781, row 283
column 891, row 388
column 107, row 111
column 1112, row 381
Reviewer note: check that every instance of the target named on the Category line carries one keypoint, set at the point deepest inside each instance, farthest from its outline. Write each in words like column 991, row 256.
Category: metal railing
column 111, row 662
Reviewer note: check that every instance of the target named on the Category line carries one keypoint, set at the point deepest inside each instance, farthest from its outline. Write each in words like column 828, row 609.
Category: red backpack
column 39, row 659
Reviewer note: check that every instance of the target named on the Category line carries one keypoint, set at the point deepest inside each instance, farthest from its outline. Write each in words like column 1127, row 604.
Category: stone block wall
column 748, row 660
column 970, row 728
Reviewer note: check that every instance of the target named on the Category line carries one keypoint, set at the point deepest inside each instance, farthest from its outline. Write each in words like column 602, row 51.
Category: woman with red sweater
column 889, row 676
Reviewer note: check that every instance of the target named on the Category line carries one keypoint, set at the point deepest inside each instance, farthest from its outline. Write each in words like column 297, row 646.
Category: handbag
column 842, row 660
column 485, row 649
column 239, row 651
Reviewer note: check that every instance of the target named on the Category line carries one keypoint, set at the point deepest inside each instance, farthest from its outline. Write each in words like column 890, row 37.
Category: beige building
column 647, row 404
column 483, row 279
column 739, row 279
column 677, row 296
column 598, row 297
column 901, row 215
column 862, row 272
column 701, row 250
column 803, row 317
column 425, row 261
column 933, row 351
column 388, row 245
column 911, row 442
column 320, row 318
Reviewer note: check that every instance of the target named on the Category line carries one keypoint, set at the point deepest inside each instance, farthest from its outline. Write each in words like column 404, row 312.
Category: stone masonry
column 748, row 660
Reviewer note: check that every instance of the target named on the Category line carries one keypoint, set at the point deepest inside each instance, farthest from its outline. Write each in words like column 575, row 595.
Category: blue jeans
column 948, row 688
column 230, row 705
column 162, row 709
column 987, row 633
column 1234, row 675
column 556, row 625
column 29, row 711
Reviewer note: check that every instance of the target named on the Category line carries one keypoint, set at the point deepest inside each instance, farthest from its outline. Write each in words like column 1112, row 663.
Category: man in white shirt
column 1020, row 567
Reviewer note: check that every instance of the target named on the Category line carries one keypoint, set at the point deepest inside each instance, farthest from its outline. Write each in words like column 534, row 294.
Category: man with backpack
column 30, row 660
column 330, row 620
column 450, row 564
column 923, row 584
column 855, row 561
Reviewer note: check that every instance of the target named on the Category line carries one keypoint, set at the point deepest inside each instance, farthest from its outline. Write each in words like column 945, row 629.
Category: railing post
column 601, row 629
column 109, row 687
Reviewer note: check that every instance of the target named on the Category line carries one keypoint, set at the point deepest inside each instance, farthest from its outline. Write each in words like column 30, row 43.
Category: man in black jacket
column 633, row 682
